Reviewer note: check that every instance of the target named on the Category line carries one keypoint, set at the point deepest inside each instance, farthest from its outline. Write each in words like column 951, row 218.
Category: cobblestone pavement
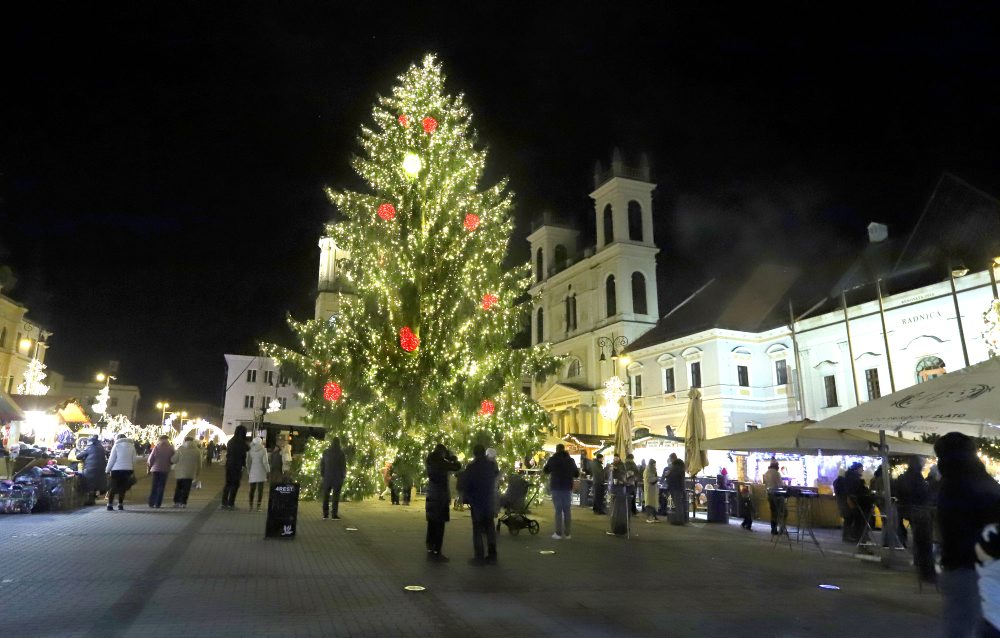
column 206, row 572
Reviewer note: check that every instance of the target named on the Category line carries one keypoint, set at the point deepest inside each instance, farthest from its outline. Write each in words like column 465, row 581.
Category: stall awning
column 68, row 408
column 9, row 410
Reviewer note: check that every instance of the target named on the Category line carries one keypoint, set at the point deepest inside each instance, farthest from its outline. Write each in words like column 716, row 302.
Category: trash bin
column 282, row 510
column 718, row 506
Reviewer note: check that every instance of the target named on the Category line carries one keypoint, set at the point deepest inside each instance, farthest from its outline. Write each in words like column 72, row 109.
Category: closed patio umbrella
column 623, row 431
column 695, row 456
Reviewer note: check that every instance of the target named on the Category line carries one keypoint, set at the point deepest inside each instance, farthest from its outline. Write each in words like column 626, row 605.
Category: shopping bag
column 197, row 485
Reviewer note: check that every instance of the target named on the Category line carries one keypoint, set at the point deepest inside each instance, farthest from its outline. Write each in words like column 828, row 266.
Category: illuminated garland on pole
column 411, row 346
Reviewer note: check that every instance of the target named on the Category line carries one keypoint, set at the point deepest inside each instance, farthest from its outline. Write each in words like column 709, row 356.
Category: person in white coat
column 651, row 498
column 258, row 467
column 121, row 467
column 187, row 467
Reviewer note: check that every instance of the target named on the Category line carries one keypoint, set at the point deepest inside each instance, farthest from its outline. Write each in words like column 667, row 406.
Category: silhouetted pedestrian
column 479, row 489
column 333, row 471
column 438, row 464
column 236, row 458
column 561, row 469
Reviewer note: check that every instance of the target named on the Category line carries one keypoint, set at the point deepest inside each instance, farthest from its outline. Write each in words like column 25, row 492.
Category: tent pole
column 889, row 524
column 798, row 366
column 850, row 348
column 885, row 334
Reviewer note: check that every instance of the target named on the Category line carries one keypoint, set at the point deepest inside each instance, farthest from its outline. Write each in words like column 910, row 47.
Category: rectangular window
column 269, row 377
column 743, row 374
column 113, row 402
column 668, row 381
column 248, row 401
column 283, row 380
column 696, row 374
column 284, row 403
column 636, row 385
column 830, row 382
column 781, row 372
column 871, row 380
column 251, row 376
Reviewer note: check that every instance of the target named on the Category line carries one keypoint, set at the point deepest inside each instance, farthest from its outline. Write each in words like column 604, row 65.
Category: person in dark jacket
column 913, row 504
column 675, row 488
column 968, row 500
column 859, row 503
column 439, row 462
column 333, row 470
column 94, row 459
column 632, row 479
column 479, row 489
column 210, row 452
column 561, row 469
column 600, row 480
column 236, row 458
column 843, row 505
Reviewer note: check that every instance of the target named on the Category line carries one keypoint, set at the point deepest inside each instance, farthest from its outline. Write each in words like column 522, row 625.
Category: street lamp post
column 163, row 405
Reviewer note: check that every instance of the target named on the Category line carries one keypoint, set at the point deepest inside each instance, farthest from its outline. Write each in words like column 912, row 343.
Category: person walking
column 236, row 458
column 187, row 469
column 332, row 471
column 438, row 464
column 651, row 494
column 968, row 500
column 675, row 488
column 479, row 489
column 859, row 503
column 210, row 452
column 561, row 469
column 159, row 467
column 257, row 470
column 121, row 467
column 600, row 480
column 274, row 462
column 286, row 459
column 94, row 460
column 775, row 501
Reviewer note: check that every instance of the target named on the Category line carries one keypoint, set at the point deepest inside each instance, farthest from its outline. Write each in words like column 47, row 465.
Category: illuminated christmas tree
column 34, row 375
column 421, row 350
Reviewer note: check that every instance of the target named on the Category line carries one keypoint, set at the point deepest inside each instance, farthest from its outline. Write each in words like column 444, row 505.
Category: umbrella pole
column 889, row 509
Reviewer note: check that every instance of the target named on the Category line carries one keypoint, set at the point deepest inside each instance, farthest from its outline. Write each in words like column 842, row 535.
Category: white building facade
column 122, row 399
column 252, row 384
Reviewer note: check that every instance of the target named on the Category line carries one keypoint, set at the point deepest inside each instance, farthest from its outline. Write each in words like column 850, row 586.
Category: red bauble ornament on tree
column 487, row 407
column 405, row 121
column 332, row 391
column 489, row 299
column 471, row 222
column 387, row 211
column 430, row 124
column 407, row 340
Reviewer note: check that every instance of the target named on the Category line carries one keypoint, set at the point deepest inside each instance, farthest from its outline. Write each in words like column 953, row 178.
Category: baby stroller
column 515, row 503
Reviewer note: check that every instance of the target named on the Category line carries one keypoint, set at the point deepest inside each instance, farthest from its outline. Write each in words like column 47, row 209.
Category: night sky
column 161, row 168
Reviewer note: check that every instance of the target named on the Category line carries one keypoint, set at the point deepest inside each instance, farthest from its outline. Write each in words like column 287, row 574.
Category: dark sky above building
column 162, row 164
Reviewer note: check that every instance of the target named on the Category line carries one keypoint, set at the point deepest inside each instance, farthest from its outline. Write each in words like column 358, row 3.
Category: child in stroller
column 514, row 503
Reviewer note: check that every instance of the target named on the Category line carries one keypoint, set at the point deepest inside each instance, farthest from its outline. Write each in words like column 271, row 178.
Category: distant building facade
column 20, row 340
column 252, row 383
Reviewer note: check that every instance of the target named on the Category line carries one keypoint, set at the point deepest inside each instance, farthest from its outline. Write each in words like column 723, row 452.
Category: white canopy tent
column 967, row 401
column 800, row 437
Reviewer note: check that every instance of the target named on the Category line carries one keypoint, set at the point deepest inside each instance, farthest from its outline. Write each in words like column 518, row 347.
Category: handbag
column 132, row 480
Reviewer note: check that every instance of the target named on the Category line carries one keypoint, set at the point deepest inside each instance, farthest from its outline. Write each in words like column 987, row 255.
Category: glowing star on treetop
column 471, row 222
column 487, row 407
column 407, row 340
column 489, row 299
column 430, row 124
column 332, row 391
column 387, row 211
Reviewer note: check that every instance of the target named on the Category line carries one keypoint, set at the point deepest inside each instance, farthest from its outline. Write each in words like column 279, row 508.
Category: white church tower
column 333, row 281
column 585, row 300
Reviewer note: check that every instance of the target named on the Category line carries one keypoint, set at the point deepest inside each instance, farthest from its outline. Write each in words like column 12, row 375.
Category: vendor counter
column 825, row 512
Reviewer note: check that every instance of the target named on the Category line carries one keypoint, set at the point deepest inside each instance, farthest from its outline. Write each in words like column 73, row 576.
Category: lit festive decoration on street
column 412, row 164
column 407, row 340
column 991, row 329
column 405, row 121
column 614, row 390
column 423, row 275
column 430, row 124
column 332, row 391
column 487, row 408
column 34, row 374
column 273, row 406
column 387, row 211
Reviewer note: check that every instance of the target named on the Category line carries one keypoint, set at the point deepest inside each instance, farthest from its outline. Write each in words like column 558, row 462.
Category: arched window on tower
column 560, row 257
column 540, row 325
column 570, row 310
column 539, row 265
column 639, row 294
column 609, row 225
column 634, row 221
column 610, row 297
